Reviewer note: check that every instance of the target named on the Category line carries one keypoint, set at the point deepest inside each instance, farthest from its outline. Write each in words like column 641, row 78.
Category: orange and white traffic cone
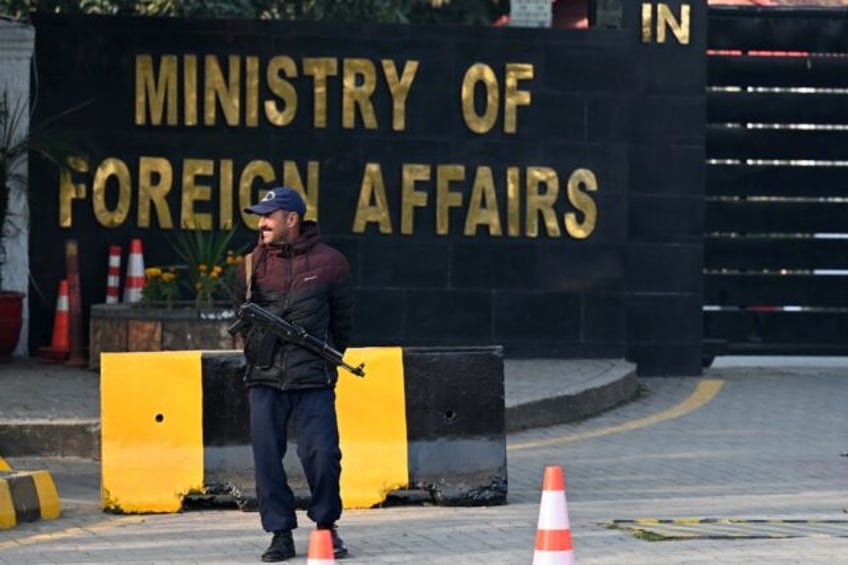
column 320, row 548
column 135, row 273
column 60, row 345
column 553, row 536
column 113, row 277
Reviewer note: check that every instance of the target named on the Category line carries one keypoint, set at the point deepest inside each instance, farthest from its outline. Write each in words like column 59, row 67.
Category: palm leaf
column 198, row 247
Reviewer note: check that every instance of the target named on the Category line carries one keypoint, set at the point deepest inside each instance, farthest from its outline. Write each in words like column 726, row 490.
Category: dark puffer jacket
column 308, row 283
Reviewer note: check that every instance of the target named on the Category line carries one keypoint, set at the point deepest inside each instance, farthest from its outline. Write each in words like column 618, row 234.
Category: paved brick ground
column 769, row 445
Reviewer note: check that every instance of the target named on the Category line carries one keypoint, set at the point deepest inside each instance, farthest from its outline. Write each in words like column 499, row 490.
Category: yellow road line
column 706, row 390
column 72, row 532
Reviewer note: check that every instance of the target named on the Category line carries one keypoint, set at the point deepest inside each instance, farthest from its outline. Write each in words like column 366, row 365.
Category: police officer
column 297, row 277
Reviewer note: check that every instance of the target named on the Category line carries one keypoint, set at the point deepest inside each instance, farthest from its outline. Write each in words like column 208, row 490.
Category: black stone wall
column 630, row 112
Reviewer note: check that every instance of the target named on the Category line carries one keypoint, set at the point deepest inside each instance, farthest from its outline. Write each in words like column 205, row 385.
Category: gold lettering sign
column 542, row 202
column 223, row 91
column 410, row 197
column 583, row 202
column 232, row 88
column 483, row 204
column 478, row 195
column 445, row 197
column 225, row 192
column 360, row 79
column 282, row 89
column 513, row 210
column 373, row 206
column 70, row 190
column 190, row 89
column 480, row 74
column 108, row 169
column 153, row 92
column 666, row 19
column 513, row 97
column 251, row 95
column 194, row 191
column 647, row 22
column 155, row 179
column 319, row 69
column 399, row 89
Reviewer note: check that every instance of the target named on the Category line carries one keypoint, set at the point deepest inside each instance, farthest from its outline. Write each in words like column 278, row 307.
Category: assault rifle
column 253, row 314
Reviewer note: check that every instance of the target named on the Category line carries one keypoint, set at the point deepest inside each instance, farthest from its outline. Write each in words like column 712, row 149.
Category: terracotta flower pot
column 11, row 318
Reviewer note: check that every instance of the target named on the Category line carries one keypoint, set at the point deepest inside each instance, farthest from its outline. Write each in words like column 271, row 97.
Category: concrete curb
column 27, row 496
column 599, row 386
column 51, row 438
column 605, row 391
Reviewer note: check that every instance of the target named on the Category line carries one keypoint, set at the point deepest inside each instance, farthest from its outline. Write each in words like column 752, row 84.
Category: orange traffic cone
column 135, row 273
column 113, row 276
column 320, row 548
column 553, row 536
column 60, row 345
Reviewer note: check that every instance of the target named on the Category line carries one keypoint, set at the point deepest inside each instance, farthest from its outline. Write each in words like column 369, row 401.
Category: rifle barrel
column 297, row 335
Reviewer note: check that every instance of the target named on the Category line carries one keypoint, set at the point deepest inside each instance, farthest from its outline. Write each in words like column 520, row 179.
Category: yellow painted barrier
column 48, row 497
column 175, row 423
column 372, row 427
column 4, row 466
column 27, row 496
column 151, row 436
column 7, row 507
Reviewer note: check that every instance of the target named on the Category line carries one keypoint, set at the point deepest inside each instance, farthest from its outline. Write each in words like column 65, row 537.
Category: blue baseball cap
column 280, row 198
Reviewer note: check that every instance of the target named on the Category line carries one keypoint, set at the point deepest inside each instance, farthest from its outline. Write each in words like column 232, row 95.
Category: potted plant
column 14, row 148
column 17, row 141
column 184, row 306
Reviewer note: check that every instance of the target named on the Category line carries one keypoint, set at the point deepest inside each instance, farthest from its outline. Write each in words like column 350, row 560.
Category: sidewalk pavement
column 54, row 410
column 743, row 466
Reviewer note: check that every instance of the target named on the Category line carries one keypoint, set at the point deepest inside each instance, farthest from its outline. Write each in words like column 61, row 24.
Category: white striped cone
column 135, row 272
column 113, row 276
column 553, row 537
column 321, row 548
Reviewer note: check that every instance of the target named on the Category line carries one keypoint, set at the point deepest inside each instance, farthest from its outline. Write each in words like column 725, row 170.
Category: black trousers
column 317, row 434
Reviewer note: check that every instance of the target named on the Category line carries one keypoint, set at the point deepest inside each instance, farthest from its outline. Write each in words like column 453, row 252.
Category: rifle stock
column 251, row 313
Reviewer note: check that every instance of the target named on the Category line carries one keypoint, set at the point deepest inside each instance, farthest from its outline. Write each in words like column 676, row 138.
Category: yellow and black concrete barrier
column 175, row 426
column 26, row 496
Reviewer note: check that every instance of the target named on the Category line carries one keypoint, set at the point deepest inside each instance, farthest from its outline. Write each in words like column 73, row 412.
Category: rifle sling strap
column 248, row 276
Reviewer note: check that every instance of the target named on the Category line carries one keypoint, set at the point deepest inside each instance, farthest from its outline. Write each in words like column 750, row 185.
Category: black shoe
column 339, row 547
column 281, row 548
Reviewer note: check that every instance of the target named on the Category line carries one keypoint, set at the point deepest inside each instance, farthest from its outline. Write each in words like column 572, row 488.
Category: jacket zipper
column 290, row 279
